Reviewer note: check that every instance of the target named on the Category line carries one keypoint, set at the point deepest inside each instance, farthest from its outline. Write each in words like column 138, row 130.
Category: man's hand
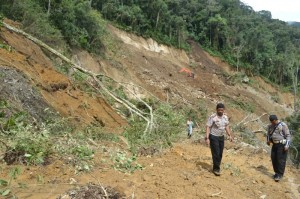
column 286, row 148
column 230, row 138
column 207, row 141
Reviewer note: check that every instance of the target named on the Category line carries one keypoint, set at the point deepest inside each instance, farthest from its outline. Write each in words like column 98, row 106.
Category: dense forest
column 251, row 41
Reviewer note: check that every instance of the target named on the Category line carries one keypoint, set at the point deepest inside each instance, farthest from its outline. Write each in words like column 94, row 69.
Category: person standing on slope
column 278, row 134
column 216, row 127
column 190, row 125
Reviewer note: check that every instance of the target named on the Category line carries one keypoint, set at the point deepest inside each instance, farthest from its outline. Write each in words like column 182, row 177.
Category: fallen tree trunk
column 129, row 106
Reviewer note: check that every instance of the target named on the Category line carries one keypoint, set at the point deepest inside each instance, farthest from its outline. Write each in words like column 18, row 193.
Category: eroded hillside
column 55, row 89
column 157, row 69
column 31, row 82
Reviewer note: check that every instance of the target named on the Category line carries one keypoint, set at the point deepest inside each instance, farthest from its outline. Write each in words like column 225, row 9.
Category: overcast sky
column 285, row 10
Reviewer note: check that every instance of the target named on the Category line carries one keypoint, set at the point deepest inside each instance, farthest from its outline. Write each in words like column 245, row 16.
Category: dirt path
column 180, row 172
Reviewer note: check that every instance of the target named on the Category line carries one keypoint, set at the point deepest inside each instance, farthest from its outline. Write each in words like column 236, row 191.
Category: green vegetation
column 35, row 144
column 74, row 23
column 169, row 123
column 238, row 102
column 275, row 98
column 294, row 126
column 235, row 171
column 125, row 164
column 5, row 188
column 5, row 46
column 247, row 136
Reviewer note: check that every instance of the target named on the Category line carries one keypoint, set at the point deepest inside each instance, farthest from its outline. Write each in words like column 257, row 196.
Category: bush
column 29, row 147
column 294, row 127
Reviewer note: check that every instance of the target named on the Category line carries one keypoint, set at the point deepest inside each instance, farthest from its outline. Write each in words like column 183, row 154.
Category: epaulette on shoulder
column 283, row 124
column 213, row 115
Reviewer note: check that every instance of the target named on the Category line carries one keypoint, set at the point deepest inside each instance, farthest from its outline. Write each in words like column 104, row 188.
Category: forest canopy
column 250, row 41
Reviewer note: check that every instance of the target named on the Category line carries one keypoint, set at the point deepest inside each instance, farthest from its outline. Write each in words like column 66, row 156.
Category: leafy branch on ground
column 124, row 163
column 5, row 185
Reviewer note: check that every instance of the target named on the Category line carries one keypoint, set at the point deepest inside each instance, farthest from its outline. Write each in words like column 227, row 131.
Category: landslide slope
column 31, row 82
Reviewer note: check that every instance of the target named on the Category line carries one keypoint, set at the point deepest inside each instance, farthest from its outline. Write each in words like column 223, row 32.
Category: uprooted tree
column 148, row 117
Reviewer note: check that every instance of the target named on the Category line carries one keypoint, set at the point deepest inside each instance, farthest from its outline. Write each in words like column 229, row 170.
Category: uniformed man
column 216, row 127
column 278, row 134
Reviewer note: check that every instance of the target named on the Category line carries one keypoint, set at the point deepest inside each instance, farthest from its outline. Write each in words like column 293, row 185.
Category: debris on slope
column 16, row 88
column 93, row 191
column 56, row 89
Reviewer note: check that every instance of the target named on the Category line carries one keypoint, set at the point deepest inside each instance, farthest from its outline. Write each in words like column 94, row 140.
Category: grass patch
column 240, row 103
column 235, row 171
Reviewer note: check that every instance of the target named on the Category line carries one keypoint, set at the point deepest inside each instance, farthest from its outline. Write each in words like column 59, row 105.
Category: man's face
column 273, row 121
column 220, row 111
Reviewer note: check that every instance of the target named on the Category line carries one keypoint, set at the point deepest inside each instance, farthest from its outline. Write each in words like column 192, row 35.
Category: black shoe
column 217, row 173
column 277, row 178
column 275, row 175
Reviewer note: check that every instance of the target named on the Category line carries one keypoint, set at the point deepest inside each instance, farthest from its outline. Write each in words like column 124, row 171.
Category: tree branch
column 91, row 74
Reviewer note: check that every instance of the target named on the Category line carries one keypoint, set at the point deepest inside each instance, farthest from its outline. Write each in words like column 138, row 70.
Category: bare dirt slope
column 156, row 68
column 180, row 172
column 56, row 89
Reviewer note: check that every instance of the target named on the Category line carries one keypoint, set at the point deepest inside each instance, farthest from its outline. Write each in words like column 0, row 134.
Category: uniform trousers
column 216, row 147
column 278, row 157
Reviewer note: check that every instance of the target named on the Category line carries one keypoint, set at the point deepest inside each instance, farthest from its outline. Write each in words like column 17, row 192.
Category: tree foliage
column 59, row 21
column 252, row 41
column 294, row 127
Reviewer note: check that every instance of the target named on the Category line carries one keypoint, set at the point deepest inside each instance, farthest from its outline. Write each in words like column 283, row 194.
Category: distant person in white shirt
column 190, row 125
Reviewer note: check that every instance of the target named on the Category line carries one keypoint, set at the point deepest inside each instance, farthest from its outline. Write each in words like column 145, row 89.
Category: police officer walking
column 278, row 134
column 216, row 127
